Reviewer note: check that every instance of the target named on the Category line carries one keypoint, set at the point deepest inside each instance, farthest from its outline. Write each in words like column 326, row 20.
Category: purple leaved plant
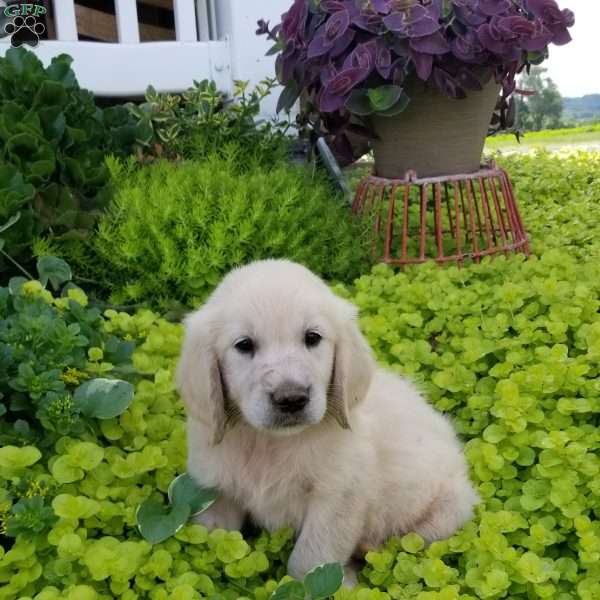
column 350, row 59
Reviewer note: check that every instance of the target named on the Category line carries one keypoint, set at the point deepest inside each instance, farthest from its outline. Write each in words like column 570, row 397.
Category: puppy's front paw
column 350, row 577
column 211, row 519
column 221, row 515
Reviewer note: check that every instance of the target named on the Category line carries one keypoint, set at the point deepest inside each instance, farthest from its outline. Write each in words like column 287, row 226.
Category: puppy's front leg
column 330, row 532
column 223, row 514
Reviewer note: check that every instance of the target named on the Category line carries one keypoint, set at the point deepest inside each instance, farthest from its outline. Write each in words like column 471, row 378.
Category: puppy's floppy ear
column 353, row 367
column 199, row 376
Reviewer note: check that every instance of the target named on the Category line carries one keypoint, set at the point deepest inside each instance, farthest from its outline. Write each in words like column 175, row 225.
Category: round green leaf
column 14, row 219
column 15, row 284
column 412, row 543
column 157, row 524
column 399, row 107
column 103, row 398
column 13, row 457
column 536, row 58
column 53, row 269
column 64, row 472
column 359, row 103
column 384, row 97
column 447, row 9
column 324, row 580
column 292, row 590
column 184, row 491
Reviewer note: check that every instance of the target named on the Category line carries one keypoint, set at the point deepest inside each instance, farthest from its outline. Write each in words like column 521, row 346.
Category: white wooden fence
column 215, row 39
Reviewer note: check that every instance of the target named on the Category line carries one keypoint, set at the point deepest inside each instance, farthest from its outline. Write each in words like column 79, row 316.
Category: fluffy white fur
column 368, row 458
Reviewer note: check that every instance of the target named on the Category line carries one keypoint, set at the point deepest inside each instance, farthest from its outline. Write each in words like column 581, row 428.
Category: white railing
column 214, row 39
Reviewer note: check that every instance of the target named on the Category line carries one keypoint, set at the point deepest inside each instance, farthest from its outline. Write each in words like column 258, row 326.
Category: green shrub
column 203, row 121
column 173, row 230
column 53, row 176
column 53, row 140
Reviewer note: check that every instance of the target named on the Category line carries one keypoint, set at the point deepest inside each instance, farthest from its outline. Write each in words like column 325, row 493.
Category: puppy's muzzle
column 290, row 398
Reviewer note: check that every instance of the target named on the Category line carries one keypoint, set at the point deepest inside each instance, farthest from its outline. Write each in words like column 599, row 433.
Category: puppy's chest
column 274, row 489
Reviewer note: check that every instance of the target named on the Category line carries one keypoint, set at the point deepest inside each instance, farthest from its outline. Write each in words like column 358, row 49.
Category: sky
column 575, row 67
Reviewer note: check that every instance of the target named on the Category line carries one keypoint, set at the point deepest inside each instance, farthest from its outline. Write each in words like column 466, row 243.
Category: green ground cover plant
column 570, row 135
column 509, row 349
column 174, row 229
column 68, row 502
column 559, row 198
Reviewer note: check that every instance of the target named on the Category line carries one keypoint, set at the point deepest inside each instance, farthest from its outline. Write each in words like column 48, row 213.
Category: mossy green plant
column 174, row 229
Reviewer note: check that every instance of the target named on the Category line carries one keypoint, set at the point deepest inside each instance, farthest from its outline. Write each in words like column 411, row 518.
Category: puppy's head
column 274, row 348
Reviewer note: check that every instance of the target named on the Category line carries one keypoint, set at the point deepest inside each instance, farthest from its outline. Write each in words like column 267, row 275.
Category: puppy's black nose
column 290, row 399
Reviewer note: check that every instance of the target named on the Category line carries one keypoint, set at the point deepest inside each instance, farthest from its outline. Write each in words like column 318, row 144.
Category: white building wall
column 128, row 67
column 237, row 23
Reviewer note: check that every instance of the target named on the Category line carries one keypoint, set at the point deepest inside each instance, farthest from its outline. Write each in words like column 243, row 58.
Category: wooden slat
column 127, row 21
column 66, row 22
column 50, row 28
column 185, row 20
column 151, row 33
column 166, row 4
column 96, row 24
column 102, row 26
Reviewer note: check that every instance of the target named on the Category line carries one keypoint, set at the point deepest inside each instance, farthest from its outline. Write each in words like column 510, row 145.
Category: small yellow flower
column 73, row 376
column 4, row 515
column 95, row 354
column 78, row 295
column 61, row 303
column 35, row 288
column 36, row 489
column 32, row 288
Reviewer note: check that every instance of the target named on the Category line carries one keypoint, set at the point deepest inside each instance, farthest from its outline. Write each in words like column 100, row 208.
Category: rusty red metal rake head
column 444, row 219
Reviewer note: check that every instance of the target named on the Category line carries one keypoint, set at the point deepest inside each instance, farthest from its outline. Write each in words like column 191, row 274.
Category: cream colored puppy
column 290, row 418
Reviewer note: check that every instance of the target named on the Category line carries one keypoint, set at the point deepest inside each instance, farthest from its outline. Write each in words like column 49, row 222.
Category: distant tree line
column 586, row 108
column 543, row 107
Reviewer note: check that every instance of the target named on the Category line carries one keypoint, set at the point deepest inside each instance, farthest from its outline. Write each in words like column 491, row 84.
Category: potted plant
column 421, row 78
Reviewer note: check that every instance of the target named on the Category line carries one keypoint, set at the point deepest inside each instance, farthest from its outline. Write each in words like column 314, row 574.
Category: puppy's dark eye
column 312, row 339
column 245, row 346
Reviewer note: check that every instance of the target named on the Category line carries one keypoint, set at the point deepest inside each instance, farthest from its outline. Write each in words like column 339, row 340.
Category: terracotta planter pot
column 435, row 135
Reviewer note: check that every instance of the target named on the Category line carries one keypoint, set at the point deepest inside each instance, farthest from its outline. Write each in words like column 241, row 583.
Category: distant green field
column 553, row 137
